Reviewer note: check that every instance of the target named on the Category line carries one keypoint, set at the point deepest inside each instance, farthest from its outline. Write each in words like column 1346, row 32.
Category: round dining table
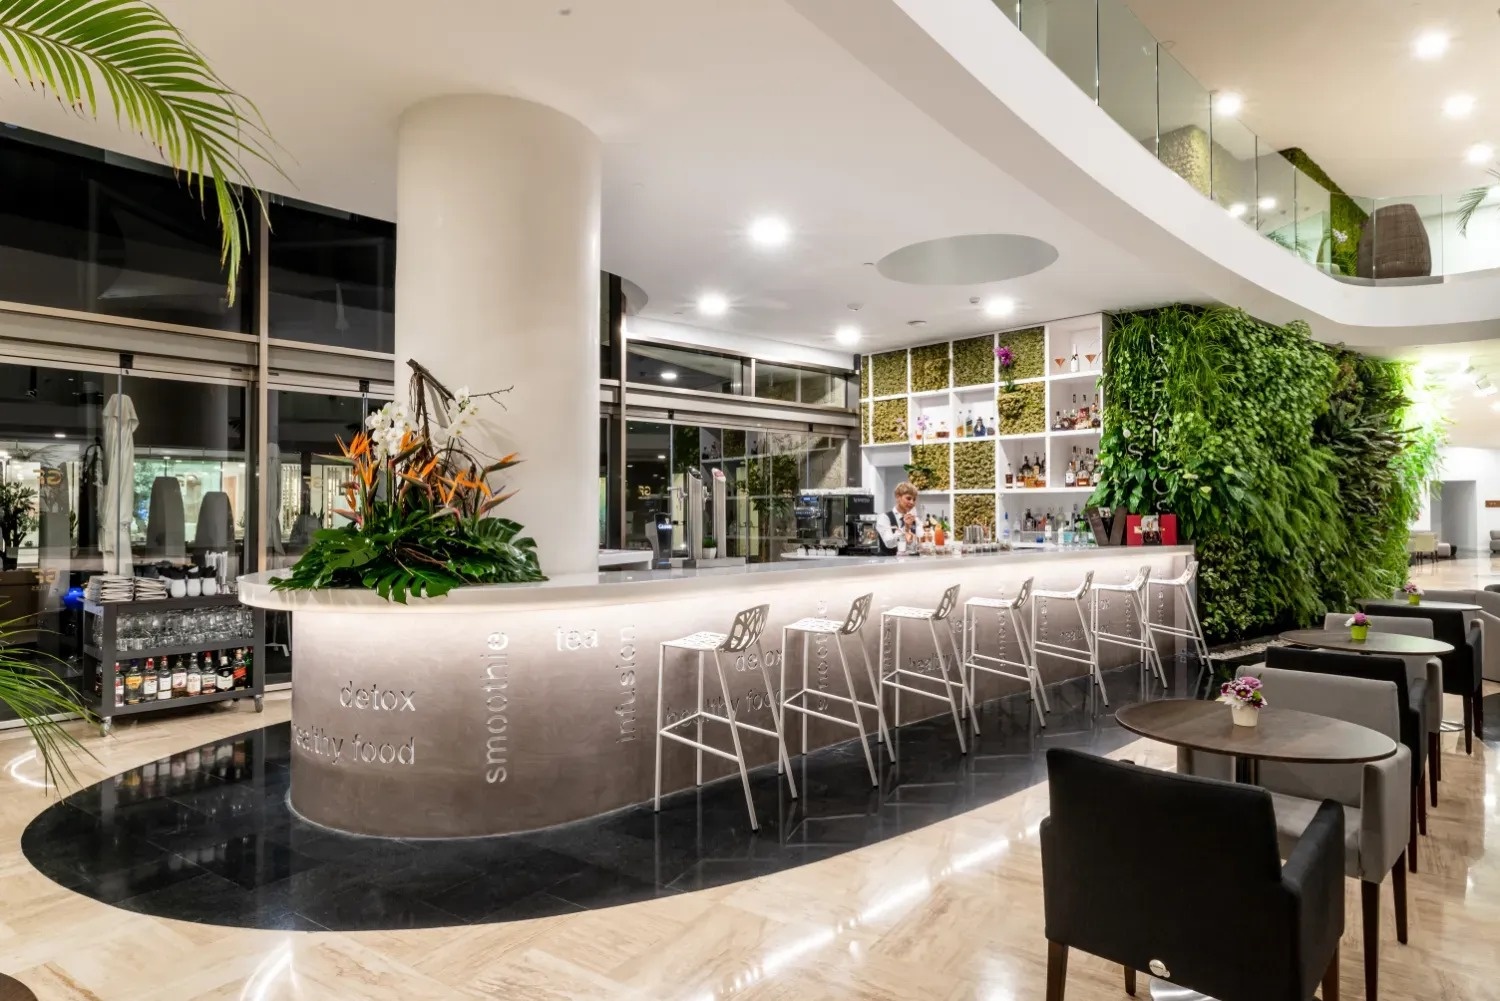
column 1279, row 735
column 1441, row 606
column 1390, row 644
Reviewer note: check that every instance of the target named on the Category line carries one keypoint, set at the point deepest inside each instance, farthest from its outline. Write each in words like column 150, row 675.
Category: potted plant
column 419, row 509
column 710, row 547
column 1413, row 593
column 1007, row 360
column 1245, row 700
column 17, row 517
column 1359, row 627
column 922, row 425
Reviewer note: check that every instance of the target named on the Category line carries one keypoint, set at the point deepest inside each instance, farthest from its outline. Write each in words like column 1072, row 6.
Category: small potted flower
column 1007, row 359
column 1359, row 627
column 922, row 425
column 1245, row 700
column 1413, row 593
column 710, row 547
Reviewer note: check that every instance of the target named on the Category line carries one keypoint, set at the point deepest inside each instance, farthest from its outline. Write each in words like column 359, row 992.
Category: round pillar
column 497, row 285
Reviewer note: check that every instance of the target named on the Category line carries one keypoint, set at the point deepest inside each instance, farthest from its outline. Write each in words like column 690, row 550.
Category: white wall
column 1482, row 466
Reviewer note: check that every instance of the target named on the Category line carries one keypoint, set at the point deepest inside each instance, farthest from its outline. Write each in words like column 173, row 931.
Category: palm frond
column 157, row 84
column 36, row 693
column 1469, row 202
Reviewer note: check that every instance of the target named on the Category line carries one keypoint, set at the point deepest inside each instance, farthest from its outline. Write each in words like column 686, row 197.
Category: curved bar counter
column 506, row 708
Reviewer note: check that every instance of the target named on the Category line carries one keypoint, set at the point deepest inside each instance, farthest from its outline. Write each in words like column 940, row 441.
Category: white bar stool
column 1183, row 585
column 1145, row 642
column 743, row 634
column 1015, row 611
column 932, row 616
column 853, row 625
column 1089, row 653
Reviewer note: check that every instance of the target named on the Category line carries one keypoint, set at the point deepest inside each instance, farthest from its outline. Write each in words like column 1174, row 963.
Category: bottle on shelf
column 241, row 671
column 163, row 681
column 1095, row 420
column 1083, row 413
column 1040, row 472
column 1023, row 475
column 1005, row 530
column 1073, row 415
column 942, row 431
column 958, row 424
column 969, row 424
column 979, row 429
column 1028, row 523
column 1057, row 422
column 119, row 684
column 209, row 678
column 193, row 682
column 225, row 679
column 179, row 676
column 1073, row 365
column 148, row 681
column 1010, row 476
column 1070, row 476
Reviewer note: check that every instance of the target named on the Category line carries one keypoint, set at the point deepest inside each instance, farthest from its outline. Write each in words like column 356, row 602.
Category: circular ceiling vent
column 967, row 260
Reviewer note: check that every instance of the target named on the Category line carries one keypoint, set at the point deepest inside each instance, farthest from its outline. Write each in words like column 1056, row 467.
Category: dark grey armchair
column 1134, row 869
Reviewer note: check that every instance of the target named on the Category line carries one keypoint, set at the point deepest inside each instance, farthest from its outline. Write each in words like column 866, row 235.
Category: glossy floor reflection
column 206, row 835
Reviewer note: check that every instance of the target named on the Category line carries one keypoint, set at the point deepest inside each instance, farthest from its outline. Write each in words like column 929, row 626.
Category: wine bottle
column 148, row 681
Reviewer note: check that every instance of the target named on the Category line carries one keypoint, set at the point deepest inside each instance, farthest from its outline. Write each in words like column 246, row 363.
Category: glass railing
column 1106, row 51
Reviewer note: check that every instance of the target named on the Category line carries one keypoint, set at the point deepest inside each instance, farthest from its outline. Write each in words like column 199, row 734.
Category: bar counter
column 506, row 708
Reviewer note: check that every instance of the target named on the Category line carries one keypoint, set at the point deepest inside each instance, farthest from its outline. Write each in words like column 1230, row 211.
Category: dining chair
column 1462, row 675
column 1411, row 695
column 1138, row 893
column 1374, row 795
column 1418, row 667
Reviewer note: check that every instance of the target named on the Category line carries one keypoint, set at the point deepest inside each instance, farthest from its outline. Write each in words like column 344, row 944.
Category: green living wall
column 1346, row 218
column 1291, row 465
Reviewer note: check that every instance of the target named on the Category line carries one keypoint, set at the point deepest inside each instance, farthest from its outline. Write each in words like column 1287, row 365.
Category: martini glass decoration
column 1060, row 362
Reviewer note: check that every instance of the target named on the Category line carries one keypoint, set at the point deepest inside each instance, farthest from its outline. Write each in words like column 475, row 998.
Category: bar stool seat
column 987, row 602
column 743, row 634
column 890, row 679
column 853, row 625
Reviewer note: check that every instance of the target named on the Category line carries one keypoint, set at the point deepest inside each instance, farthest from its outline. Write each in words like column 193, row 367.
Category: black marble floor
column 207, row 836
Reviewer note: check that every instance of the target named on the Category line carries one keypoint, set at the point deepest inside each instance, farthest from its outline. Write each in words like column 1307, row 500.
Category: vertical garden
column 1293, row 466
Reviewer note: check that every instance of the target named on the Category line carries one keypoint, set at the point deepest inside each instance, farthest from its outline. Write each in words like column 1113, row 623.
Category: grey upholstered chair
column 1376, row 795
column 1495, row 540
column 1417, row 666
column 1484, row 626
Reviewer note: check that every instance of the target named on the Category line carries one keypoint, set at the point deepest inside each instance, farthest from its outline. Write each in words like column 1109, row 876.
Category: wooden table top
column 1441, row 606
column 1280, row 735
column 1394, row 644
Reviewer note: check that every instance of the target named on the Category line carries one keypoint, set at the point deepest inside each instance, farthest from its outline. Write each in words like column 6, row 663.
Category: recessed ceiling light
column 712, row 304
column 1459, row 106
column 58, row 434
column 916, row 323
column 1228, row 104
column 667, row 375
column 661, row 458
column 999, row 306
column 1238, row 209
column 1430, row 45
column 1479, row 154
column 1267, row 203
column 847, row 334
column 769, row 231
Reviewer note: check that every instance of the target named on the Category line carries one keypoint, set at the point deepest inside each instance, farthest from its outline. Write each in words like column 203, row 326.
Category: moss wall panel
column 1025, row 410
column 973, row 509
column 974, row 465
column 974, row 361
column 1030, row 350
column 935, row 460
column 888, row 421
column 929, row 368
column 888, row 373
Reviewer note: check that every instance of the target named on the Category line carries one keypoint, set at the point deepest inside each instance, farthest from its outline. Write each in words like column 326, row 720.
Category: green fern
column 1469, row 202
column 157, row 84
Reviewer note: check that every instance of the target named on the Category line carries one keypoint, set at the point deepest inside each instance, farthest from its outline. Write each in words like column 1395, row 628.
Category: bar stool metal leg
column 1028, row 655
column 805, row 638
column 777, row 717
column 781, row 691
column 661, row 662
column 700, row 717
column 947, row 683
column 859, row 718
column 877, row 694
column 1090, row 636
column 734, row 733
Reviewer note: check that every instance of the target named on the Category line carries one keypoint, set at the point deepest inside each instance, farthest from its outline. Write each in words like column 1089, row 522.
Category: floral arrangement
column 419, row 506
column 1412, row 588
column 1358, row 625
column 922, row 425
column 1007, row 359
column 1244, row 692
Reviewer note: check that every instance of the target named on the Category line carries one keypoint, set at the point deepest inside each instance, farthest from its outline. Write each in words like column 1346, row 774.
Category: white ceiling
column 1454, row 369
column 1337, row 78
column 711, row 114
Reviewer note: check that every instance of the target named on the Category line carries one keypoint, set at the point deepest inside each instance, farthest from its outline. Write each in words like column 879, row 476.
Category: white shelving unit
column 883, row 464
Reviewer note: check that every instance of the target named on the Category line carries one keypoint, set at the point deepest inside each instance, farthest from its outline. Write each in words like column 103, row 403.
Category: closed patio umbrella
column 117, row 498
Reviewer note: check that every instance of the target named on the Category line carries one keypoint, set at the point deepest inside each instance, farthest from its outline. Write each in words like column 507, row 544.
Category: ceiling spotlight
column 712, row 304
column 999, row 306
column 1459, row 106
column 847, row 334
column 1267, row 203
column 661, row 458
column 1238, row 210
column 1479, row 154
column 667, row 375
column 1430, row 45
column 1228, row 104
column 58, row 434
column 769, row 231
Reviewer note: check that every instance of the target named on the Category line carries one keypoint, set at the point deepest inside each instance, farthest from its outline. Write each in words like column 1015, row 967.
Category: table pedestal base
column 1160, row 990
column 1452, row 726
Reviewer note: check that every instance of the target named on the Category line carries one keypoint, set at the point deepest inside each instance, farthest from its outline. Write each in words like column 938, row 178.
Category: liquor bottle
column 208, row 677
column 194, row 680
column 225, row 680
column 979, row 430
column 1094, row 415
column 119, row 684
column 1073, row 365
column 958, row 424
column 1083, row 413
column 163, row 681
column 1057, row 422
column 942, row 431
column 969, row 424
column 179, row 676
column 1010, row 478
column 1040, row 472
column 1028, row 523
column 240, row 670
column 1070, row 477
column 148, row 681
column 1005, row 529
column 1073, row 424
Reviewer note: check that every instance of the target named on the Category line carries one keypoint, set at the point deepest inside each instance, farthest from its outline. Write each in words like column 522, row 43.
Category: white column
column 497, row 284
